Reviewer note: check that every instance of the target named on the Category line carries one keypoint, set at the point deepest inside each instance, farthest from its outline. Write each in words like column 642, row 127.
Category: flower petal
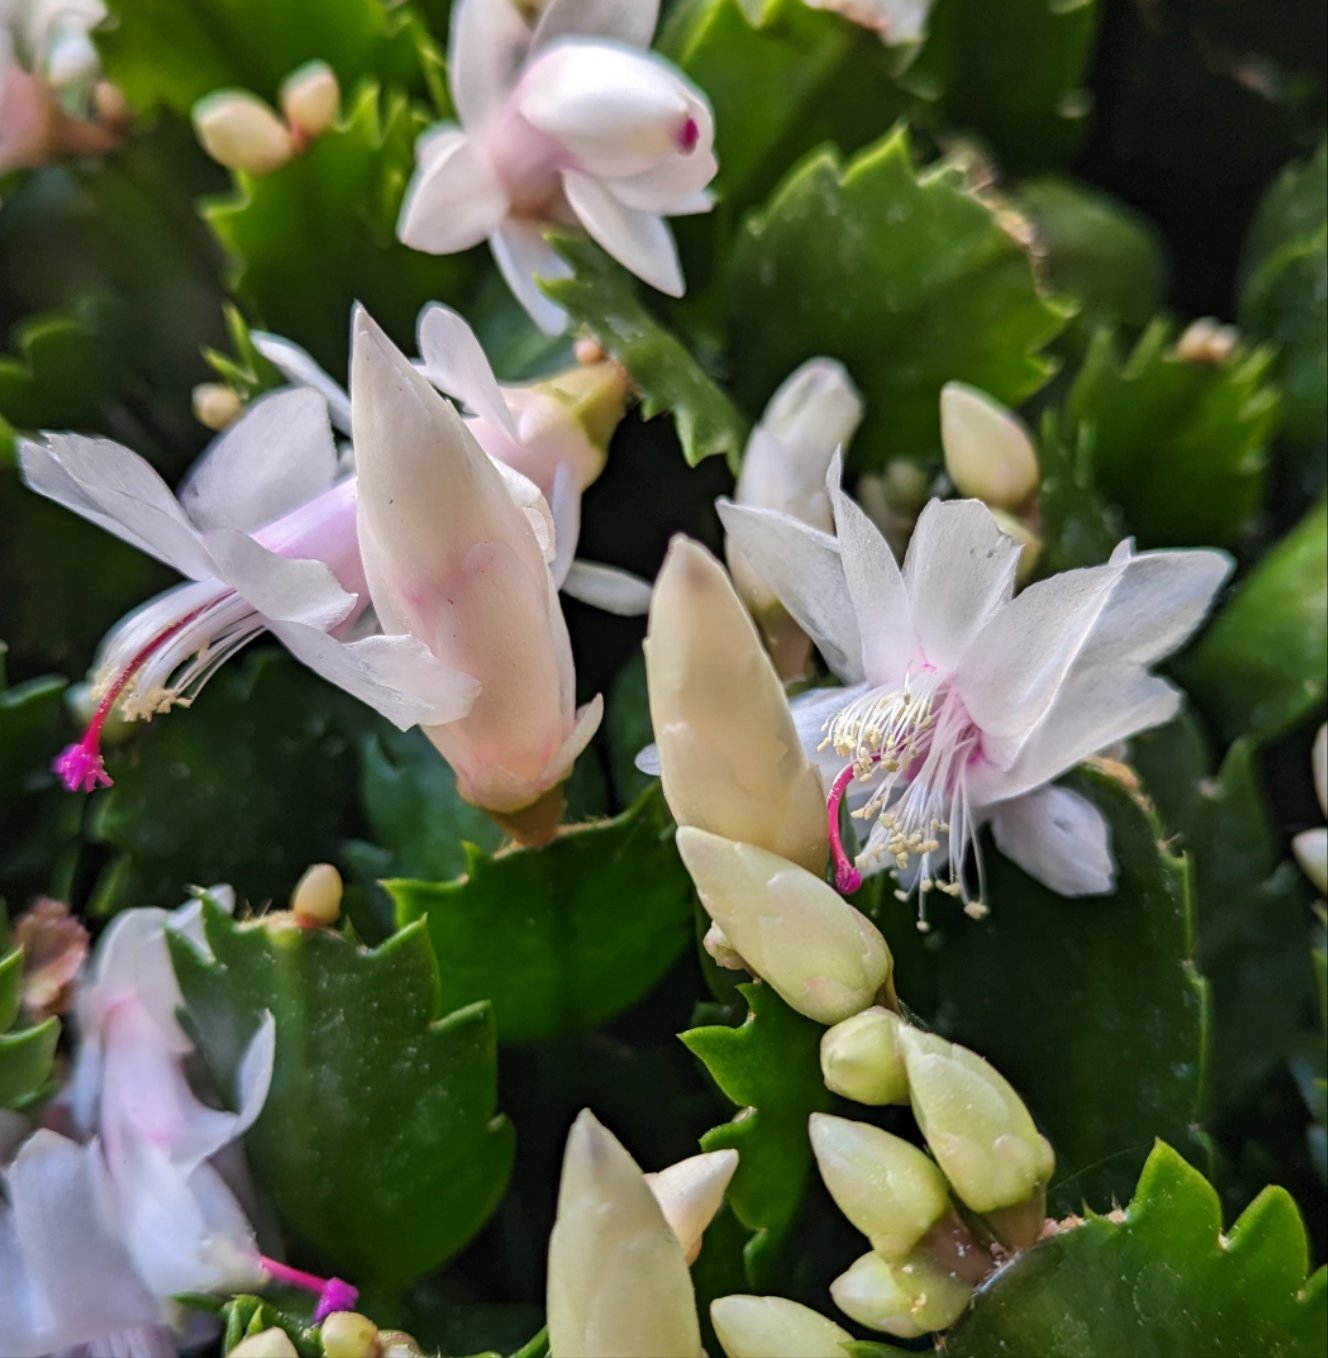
column 299, row 367
column 117, row 490
column 455, row 199
column 628, row 21
column 281, row 589
column 276, row 457
column 456, row 364
column 523, row 255
column 804, row 568
column 608, row 588
column 675, row 187
column 640, row 241
column 959, row 569
column 1060, row 838
column 487, row 43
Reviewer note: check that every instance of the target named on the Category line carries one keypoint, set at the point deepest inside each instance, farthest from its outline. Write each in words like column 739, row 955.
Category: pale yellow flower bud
column 691, row 1192
column 976, row 1126
column 1208, row 341
column 215, row 404
column 347, row 1334
column 618, row 1283
column 317, row 895
column 311, row 98
column 273, row 1343
column 1319, row 767
column 730, row 757
column 796, row 933
column 238, row 130
column 1032, row 544
column 887, row 1188
column 772, row 1327
column 859, row 1058
column 903, row 1299
column 721, row 950
column 1311, row 850
column 398, row 1344
column 988, row 452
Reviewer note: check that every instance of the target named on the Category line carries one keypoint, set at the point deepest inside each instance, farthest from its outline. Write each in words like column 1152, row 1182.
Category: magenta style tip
column 81, row 769
column 847, row 878
column 335, row 1296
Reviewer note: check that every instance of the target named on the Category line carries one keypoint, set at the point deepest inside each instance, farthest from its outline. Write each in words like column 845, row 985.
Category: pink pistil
column 80, row 766
column 333, row 1294
column 688, row 136
column 847, row 878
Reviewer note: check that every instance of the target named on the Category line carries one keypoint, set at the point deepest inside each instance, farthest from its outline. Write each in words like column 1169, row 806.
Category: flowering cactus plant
column 718, row 611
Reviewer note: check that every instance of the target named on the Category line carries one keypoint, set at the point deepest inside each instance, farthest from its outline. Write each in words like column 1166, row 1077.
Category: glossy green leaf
column 366, row 1061
column 1079, row 527
column 1259, row 667
column 770, row 1067
column 1163, row 1281
column 904, row 276
column 320, row 234
column 565, row 937
column 602, row 299
column 11, row 987
column 249, row 785
column 1064, row 996
column 26, row 1055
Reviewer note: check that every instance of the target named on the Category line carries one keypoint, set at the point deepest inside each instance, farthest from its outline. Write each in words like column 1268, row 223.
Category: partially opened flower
column 453, row 561
column 266, row 534
column 567, row 121
column 962, row 702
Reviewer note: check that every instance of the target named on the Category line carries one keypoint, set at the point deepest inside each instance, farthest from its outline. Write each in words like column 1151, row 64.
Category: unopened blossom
column 726, row 746
column 310, row 99
column 453, row 561
column 773, row 1327
column 1311, row 846
column 961, row 702
column 555, row 433
column 860, row 1058
column 811, row 417
column 269, row 545
column 242, row 132
column 567, row 121
column 690, row 1192
column 989, row 452
column 897, row 21
column 904, row 1298
column 618, row 1284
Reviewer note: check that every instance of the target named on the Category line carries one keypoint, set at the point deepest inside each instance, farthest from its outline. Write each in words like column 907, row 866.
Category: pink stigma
column 847, row 878
column 689, row 136
column 333, row 1294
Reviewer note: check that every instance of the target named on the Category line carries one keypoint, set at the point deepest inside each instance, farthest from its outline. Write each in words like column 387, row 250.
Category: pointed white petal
column 276, row 457
column 804, row 568
column 255, row 1077
column 455, row 198
column 959, row 570
column 456, row 364
column 640, row 241
column 565, row 506
column 281, row 589
column 487, row 44
column 608, row 588
column 299, row 367
column 523, row 255
column 1058, row 837
column 675, row 187
column 629, row 21
column 117, row 490
column 649, row 762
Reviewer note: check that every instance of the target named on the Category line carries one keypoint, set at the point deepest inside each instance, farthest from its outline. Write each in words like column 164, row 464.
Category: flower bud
column 347, row 1334
column 618, row 1283
column 1319, row 766
column 691, row 1192
column 271, row 1343
column 988, row 452
column 317, row 895
column 1017, row 530
column 1311, row 850
column 976, row 1126
column 1207, row 341
column 238, row 130
column 798, row 934
column 772, row 1327
column 398, row 1344
column 903, row 1299
column 721, row 951
column 729, row 753
column 311, row 98
column 859, row 1058
column 215, row 404
column 887, row 1188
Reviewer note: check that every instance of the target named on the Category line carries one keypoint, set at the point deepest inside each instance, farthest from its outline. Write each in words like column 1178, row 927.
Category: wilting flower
column 54, row 944
column 773, row 1327
column 100, row 1234
column 451, row 560
column 567, row 122
column 555, row 433
column 963, row 702
column 269, row 544
column 810, row 418
column 618, row 1283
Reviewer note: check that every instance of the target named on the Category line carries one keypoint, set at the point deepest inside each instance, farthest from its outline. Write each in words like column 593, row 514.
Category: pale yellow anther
column 317, row 895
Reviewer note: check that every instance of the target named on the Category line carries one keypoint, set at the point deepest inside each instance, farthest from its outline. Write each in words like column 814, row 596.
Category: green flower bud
column 974, row 1123
column 887, row 1188
column 903, row 1299
column 859, row 1058
column 772, row 1327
